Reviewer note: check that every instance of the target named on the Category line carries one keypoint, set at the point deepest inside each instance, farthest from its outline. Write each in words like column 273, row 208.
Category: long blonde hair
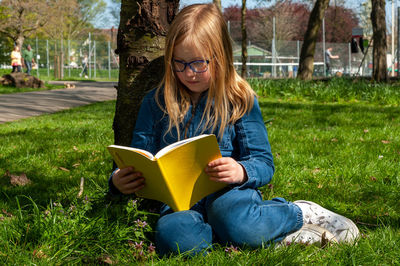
column 229, row 96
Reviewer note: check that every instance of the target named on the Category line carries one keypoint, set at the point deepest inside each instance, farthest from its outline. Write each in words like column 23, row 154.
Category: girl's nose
column 189, row 72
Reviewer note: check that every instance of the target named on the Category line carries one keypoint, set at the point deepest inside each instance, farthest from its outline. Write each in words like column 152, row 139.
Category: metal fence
column 282, row 60
column 65, row 59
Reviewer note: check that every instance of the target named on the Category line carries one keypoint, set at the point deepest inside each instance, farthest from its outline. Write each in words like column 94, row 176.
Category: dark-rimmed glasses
column 197, row 66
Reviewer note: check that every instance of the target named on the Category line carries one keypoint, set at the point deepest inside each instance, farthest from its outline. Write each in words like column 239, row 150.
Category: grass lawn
column 72, row 74
column 10, row 89
column 343, row 154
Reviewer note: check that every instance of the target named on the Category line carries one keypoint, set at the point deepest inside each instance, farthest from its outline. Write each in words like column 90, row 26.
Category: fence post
column 94, row 58
column 109, row 58
column 62, row 59
column 298, row 52
column 323, row 45
column 398, row 41
column 37, row 58
column 273, row 49
column 69, row 58
column 47, row 58
column 349, row 59
column 90, row 57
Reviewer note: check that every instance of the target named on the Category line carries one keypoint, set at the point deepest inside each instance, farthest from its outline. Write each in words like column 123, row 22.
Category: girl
column 16, row 61
column 202, row 93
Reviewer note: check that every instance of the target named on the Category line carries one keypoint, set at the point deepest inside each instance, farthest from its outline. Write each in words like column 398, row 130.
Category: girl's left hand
column 226, row 170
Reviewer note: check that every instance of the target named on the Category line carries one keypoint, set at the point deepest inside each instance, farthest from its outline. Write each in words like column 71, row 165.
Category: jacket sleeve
column 143, row 134
column 254, row 148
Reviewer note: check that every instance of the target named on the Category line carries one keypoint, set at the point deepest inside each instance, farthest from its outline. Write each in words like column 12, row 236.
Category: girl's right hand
column 127, row 180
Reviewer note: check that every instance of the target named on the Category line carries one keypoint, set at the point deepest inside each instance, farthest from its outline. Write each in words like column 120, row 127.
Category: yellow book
column 175, row 175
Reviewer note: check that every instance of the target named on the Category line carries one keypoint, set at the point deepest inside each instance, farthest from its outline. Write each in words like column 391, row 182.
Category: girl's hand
column 127, row 180
column 226, row 170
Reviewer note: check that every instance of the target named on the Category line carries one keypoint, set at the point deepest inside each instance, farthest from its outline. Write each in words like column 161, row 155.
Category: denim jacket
column 246, row 141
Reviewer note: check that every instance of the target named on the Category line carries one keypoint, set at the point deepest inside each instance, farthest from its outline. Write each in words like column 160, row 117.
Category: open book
column 175, row 175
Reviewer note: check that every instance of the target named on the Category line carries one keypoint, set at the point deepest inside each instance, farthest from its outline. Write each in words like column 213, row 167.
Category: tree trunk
column 306, row 65
column 218, row 4
column 140, row 46
column 379, row 69
column 244, row 40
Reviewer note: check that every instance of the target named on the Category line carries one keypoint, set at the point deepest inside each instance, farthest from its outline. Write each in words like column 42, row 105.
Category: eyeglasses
column 197, row 66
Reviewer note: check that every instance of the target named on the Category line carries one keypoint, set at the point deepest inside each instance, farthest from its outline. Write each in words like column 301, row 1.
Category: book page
column 177, row 144
column 184, row 171
column 140, row 151
column 155, row 186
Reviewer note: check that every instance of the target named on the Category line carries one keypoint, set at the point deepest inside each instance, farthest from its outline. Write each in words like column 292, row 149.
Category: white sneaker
column 341, row 227
column 310, row 234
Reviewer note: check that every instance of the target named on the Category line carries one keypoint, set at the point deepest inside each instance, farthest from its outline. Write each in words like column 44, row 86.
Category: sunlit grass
column 344, row 155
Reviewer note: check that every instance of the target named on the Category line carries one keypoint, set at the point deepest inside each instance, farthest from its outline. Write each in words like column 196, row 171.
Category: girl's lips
column 191, row 82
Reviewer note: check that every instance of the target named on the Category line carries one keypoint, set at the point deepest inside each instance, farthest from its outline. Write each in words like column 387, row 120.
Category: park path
column 22, row 105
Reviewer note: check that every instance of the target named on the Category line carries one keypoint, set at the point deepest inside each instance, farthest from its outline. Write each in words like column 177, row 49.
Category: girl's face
column 196, row 82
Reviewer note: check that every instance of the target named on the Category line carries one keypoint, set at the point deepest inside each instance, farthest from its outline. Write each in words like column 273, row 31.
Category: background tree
column 338, row 24
column 379, row 68
column 365, row 18
column 72, row 18
column 114, row 10
column 290, row 20
column 306, row 64
column 244, row 40
column 218, row 4
column 22, row 18
column 140, row 45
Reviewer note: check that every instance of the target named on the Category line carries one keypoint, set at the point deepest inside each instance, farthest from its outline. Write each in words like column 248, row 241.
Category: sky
column 224, row 3
column 352, row 4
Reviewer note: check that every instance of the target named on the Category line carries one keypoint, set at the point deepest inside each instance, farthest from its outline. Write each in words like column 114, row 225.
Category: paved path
column 22, row 105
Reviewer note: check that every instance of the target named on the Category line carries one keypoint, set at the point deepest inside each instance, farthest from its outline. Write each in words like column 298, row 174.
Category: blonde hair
column 229, row 96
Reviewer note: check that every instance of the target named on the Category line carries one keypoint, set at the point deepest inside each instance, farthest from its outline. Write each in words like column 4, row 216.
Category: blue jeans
column 28, row 67
column 235, row 216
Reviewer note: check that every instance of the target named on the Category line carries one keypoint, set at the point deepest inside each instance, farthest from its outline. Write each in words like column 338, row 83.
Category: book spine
column 169, row 187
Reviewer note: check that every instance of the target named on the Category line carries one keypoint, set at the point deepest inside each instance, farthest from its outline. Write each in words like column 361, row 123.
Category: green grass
column 72, row 75
column 344, row 155
column 10, row 89
column 339, row 90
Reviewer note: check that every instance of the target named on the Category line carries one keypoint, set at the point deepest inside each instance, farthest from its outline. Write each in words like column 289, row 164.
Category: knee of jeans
column 182, row 232
column 243, row 234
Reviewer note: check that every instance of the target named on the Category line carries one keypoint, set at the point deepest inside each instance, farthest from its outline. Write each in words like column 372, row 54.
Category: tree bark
column 379, row 69
column 306, row 65
column 140, row 46
column 218, row 4
column 244, row 40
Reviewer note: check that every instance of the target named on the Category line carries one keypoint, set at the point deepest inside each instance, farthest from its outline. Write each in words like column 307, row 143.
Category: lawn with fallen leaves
column 344, row 155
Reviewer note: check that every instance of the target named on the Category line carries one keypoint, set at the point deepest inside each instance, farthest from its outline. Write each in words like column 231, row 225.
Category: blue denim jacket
column 246, row 141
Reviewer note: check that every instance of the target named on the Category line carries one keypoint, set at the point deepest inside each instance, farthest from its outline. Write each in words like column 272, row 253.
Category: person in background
column 16, row 60
column 290, row 69
column 328, row 57
column 28, row 59
column 85, row 62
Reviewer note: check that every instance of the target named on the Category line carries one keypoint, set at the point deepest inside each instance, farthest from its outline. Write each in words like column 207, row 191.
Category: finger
column 219, row 168
column 222, row 174
column 131, row 177
column 134, row 186
column 133, row 190
column 219, row 161
column 125, row 171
